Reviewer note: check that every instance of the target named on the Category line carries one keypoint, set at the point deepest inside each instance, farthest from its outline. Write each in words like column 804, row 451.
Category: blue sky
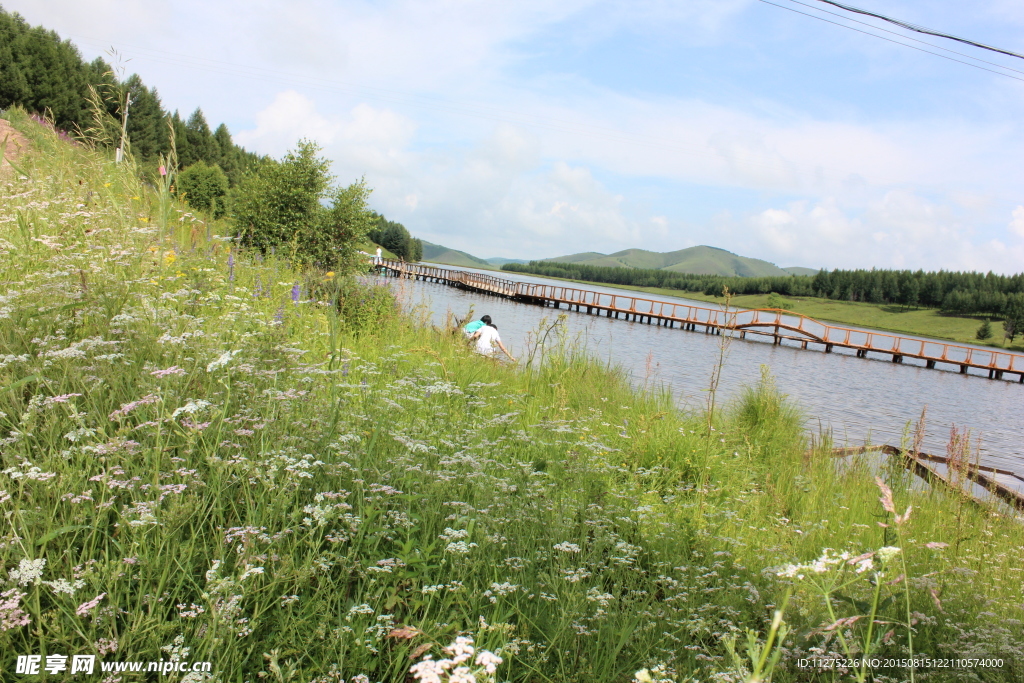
column 531, row 130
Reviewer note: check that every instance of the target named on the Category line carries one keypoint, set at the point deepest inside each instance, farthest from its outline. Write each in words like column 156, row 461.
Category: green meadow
column 209, row 455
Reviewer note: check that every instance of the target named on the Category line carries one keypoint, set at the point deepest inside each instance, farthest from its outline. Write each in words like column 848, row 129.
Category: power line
column 879, row 28
column 920, row 29
column 875, row 35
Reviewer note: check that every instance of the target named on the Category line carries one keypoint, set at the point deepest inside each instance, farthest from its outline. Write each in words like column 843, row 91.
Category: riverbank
column 282, row 474
column 925, row 322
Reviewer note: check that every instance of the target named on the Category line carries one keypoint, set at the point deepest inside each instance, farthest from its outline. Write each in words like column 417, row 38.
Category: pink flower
column 85, row 607
column 173, row 370
column 11, row 614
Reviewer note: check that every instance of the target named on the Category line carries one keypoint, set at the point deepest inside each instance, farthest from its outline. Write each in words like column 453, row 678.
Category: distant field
column 927, row 322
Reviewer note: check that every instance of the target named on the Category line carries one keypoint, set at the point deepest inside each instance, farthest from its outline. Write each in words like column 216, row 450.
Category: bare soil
column 17, row 144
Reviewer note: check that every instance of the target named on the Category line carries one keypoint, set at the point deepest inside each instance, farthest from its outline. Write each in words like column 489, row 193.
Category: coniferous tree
column 147, row 127
column 201, row 146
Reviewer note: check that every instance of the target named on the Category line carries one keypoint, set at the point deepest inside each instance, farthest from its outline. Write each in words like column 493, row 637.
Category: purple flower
column 231, row 267
column 296, row 291
column 279, row 316
column 344, row 369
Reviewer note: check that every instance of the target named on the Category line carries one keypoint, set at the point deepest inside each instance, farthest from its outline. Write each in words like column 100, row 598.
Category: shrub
column 204, row 188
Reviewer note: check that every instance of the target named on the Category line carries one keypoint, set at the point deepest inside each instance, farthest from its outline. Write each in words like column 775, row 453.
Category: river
column 859, row 400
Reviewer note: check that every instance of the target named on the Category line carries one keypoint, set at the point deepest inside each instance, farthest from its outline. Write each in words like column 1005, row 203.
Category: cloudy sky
column 532, row 129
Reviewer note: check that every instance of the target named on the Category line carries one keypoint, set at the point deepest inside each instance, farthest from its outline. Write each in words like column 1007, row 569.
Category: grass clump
column 204, row 449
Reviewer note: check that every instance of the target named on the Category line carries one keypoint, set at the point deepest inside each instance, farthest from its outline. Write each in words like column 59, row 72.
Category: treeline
column 712, row 285
column 394, row 237
column 47, row 76
column 957, row 293
column 961, row 293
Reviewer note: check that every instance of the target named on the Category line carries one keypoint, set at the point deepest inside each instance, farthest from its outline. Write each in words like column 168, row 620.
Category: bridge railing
column 769, row 320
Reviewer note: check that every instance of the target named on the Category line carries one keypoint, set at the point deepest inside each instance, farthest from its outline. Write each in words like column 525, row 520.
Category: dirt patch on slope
column 17, row 144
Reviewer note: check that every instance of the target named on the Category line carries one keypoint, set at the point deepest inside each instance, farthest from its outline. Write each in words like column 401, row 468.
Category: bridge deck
column 775, row 323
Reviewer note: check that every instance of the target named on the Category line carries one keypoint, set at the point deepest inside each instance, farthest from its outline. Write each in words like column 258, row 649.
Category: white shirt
column 485, row 342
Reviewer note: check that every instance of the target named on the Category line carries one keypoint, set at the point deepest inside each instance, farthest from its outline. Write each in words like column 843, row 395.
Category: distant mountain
column 499, row 262
column 697, row 260
column 435, row 253
column 797, row 270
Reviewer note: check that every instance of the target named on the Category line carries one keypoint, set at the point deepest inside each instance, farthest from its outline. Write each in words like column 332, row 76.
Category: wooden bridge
column 777, row 324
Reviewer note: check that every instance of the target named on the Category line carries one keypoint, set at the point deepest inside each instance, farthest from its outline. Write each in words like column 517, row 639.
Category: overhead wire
column 920, row 29
column 879, row 28
column 875, row 35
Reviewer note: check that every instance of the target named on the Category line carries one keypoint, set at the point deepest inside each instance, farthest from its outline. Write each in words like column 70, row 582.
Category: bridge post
column 897, row 358
column 999, row 374
column 930, row 364
column 828, row 348
column 963, row 369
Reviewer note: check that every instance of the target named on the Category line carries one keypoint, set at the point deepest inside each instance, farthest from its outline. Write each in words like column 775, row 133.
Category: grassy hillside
column 435, row 253
column 700, row 260
column 208, row 456
column 499, row 261
column 797, row 270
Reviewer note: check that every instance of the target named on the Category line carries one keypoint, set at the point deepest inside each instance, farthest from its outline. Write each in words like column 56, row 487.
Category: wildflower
column 461, row 675
column 567, row 547
column 231, row 267
column 936, row 545
column 64, row 586
column 28, row 571
column 428, row 670
column 461, row 650
column 193, row 406
column 85, row 607
column 296, row 291
column 173, row 370
column 488, row 660
column 224, row 359
column 11, row 614
column 888, row 552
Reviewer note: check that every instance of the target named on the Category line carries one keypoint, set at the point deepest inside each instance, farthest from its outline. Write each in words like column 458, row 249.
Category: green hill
column 700, row 260
column 797, row 270
column 498, row 261
column 436, row 253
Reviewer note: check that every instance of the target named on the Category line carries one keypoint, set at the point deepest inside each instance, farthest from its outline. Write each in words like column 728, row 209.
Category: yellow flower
column 170, row 257
column 106, row 184
column 330, row 273
column 135, row 197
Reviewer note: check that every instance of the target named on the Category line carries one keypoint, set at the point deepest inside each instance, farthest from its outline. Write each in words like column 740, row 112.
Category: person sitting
column 486, row 338
column 474, row 326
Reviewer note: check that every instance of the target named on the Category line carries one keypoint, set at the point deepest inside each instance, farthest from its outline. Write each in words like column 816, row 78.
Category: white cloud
column 1017, row 224
column 900, row 230
column 485, row 126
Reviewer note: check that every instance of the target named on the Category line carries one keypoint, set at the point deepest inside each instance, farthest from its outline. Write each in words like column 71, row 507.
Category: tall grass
column 313, row 489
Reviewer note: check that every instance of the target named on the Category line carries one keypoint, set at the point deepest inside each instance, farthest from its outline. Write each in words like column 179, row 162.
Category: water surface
column 859, row 400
